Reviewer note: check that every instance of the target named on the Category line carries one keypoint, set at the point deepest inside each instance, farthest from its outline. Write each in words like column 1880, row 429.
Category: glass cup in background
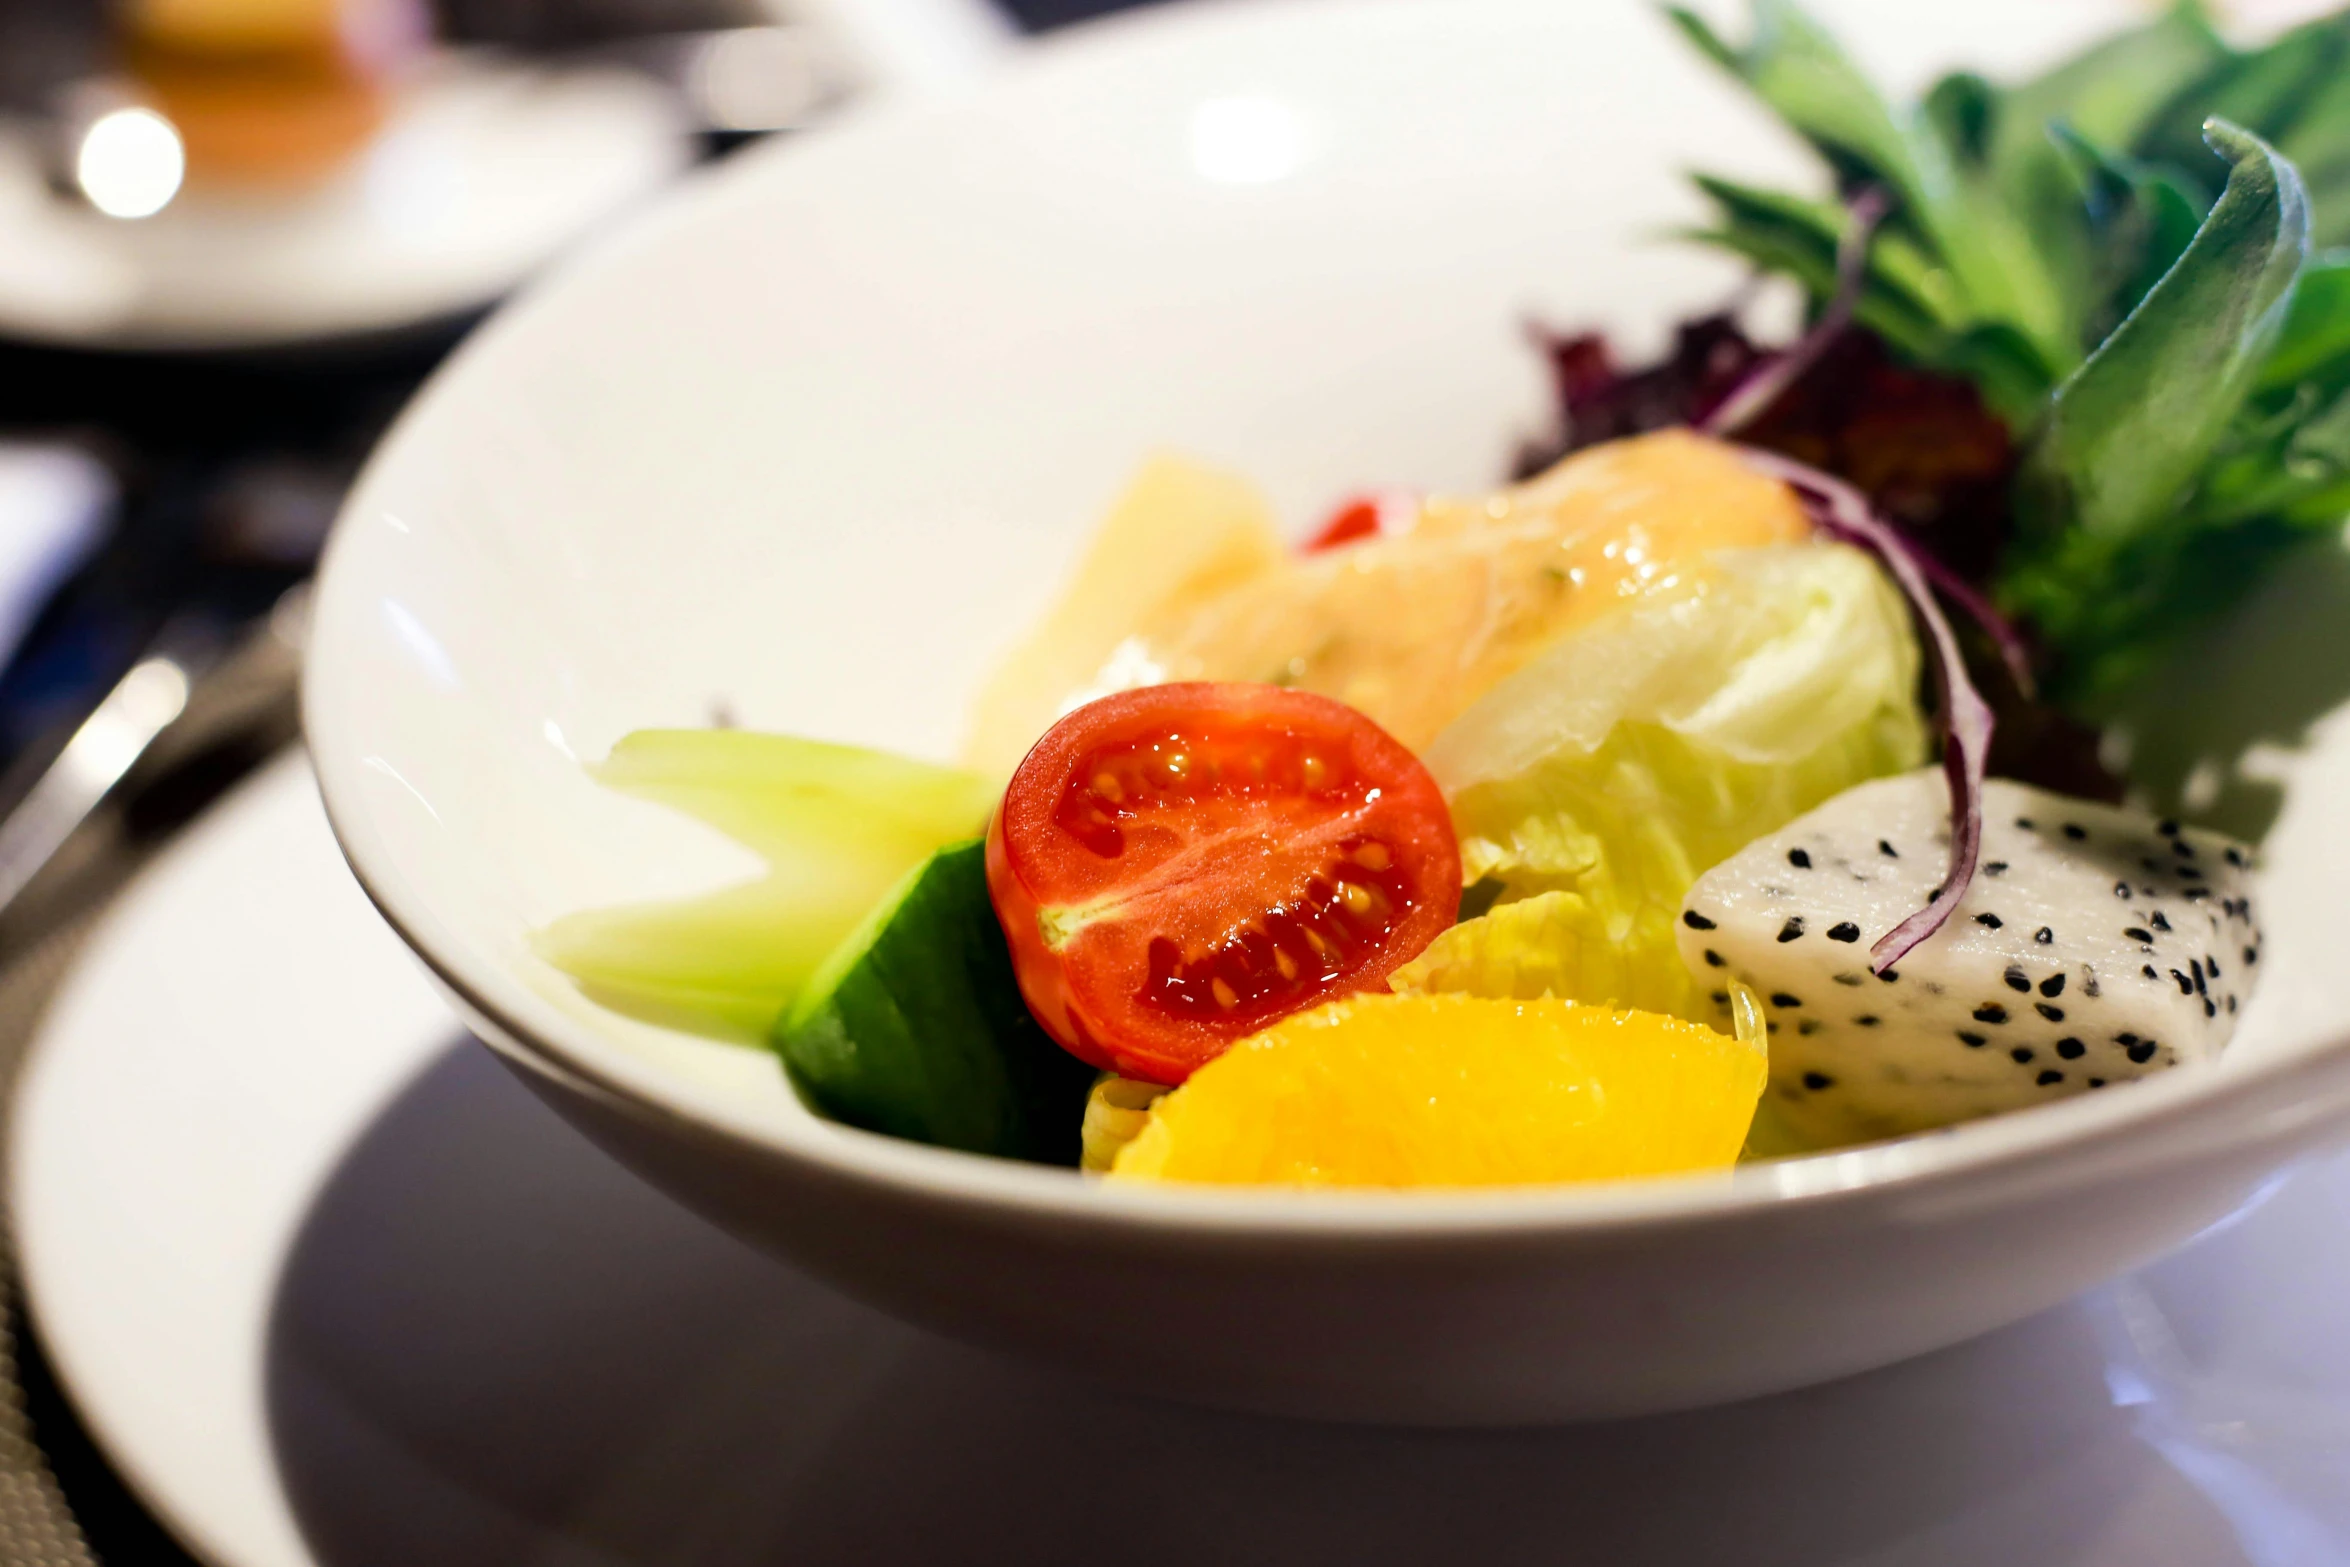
column 269, row 93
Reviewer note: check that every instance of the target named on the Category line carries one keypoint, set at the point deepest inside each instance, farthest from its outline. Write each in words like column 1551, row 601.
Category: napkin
column 56, row 504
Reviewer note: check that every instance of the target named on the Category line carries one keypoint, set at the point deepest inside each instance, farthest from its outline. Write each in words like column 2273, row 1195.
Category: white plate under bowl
column 332, row 1290
column 812, row 445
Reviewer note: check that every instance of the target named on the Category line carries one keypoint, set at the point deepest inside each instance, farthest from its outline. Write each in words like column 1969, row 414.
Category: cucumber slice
column 914, row 1026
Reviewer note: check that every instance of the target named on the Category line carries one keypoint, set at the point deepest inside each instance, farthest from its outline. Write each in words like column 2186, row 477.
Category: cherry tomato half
column 1179, row 866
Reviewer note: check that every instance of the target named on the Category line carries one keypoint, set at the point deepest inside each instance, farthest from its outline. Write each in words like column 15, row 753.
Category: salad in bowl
column 1640, row 815
column 1775, row 818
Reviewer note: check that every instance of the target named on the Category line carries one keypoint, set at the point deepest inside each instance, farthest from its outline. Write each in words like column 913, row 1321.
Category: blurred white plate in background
column 483, row 172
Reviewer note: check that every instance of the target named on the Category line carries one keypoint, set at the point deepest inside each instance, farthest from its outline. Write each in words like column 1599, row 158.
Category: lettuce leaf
column 1592, row 788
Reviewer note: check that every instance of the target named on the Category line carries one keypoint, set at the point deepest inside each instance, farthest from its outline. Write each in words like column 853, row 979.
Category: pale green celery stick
column 838, row 827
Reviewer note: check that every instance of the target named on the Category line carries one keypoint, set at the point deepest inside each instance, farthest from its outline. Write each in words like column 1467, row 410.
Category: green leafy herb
column 1974, row 257
column 2146, row 317
column 2105, row 513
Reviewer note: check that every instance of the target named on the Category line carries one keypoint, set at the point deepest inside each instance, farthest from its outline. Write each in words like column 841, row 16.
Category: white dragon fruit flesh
column 2095, row 945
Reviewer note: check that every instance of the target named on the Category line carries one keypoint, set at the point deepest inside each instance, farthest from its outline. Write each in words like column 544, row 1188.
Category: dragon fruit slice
column 2096, row 946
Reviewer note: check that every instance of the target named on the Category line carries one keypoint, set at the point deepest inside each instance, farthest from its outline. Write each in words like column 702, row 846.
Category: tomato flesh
column 1363, row 517
column 1180, row 866
column 1354, row 521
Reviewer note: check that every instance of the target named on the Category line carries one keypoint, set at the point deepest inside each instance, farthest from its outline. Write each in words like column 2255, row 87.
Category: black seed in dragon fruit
column 2095, row 946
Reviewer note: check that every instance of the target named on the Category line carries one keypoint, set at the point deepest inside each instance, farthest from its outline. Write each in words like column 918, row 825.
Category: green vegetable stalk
column 836, row 825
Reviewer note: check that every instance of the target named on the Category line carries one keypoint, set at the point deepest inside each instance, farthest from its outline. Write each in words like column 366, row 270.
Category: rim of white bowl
column 2113, row 1133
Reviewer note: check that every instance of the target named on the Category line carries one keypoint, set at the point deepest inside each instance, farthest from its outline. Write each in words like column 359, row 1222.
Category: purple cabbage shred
column 1842, row 512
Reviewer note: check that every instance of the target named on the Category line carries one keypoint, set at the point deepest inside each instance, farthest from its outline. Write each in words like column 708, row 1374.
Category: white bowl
column 816, row 440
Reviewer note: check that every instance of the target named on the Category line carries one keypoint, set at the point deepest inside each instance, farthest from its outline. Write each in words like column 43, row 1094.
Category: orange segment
column 1455, row 1090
